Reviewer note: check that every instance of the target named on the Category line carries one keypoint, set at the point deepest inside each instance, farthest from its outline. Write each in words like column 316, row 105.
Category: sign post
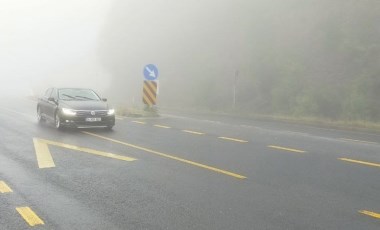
column 234, row 88
column 150, row 87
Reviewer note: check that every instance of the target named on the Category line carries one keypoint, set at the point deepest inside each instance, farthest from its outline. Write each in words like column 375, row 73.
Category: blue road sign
column 150, row 72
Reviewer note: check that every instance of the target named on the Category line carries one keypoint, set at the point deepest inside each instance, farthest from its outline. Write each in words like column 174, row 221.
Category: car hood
column 84, row 105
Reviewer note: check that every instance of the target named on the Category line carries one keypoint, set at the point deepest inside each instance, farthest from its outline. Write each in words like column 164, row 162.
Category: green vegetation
column 329, row 71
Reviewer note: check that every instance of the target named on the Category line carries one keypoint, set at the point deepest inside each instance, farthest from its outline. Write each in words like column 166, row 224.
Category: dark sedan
column 75, row 108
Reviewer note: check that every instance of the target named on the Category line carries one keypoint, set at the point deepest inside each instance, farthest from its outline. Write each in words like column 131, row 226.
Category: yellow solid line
column 4, row 188
column 170, row 156
column 366, row 142
column 29, row 216
column 360, row 162
column 233, row 139
column 192, row 132
column 372, row 214
column 162, row 126
column 286, row 149
column 139, row 122
column 44, row 158
column 87, row 150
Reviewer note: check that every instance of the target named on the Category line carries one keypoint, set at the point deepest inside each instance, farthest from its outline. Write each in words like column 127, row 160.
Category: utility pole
column 234, row 88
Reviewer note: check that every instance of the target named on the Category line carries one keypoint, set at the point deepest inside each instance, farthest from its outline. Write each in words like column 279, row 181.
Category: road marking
column 246, row 126
column 170, row 156
column 192, row 132
column 162, row 126
column 360, row 141
column 119, row 118
column 372, row 214
column 29, row 216
column 45, row 159
column 19, row 113
column 286, row 149
column 296, row 133
column 139, row 122
column 4, row 188
column 360, row 162
column 233, row 139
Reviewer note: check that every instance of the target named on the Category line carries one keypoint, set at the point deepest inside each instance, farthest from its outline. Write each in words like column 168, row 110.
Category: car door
column 51, row 106
column 44, row 101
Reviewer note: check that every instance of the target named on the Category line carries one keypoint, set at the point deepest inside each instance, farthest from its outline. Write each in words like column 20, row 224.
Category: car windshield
column 78, row 94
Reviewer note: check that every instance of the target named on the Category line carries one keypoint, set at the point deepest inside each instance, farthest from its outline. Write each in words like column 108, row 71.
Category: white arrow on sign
column 45, row 160
column 151, row 72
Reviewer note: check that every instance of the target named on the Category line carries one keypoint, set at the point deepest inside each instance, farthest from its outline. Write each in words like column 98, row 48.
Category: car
column 75, row 108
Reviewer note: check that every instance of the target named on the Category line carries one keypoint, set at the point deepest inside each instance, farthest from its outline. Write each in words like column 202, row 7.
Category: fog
column 196, row 45
column 293, row 57
column 46, row 43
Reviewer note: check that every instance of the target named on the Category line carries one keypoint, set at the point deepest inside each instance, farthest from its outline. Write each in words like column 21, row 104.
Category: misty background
column 46, row 43
column 317, row 58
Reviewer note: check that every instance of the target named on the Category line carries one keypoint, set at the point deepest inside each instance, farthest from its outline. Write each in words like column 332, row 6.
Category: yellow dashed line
column 139, row 122
column 233, row 139
column 192, row 132
column 371, row 214
column 360, row 162
column 170, row 156
column 162, row 126
column 286, row 149
column 4, row 188
column 29, row 216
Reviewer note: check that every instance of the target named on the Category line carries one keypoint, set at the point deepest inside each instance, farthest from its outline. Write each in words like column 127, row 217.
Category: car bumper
column 80, row 122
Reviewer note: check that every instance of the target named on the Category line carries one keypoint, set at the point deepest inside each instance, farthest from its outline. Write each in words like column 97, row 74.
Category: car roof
column 73, row 88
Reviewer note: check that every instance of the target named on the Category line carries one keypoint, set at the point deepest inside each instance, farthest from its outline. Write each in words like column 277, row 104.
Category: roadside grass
column 136, row 111
column 354, row 125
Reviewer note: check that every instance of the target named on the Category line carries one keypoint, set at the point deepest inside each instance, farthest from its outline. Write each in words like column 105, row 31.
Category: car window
column 48, row 93
column 54, row 94
column 78, row 94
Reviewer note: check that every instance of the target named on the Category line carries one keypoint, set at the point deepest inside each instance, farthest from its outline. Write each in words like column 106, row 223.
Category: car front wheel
column 58, row 124
column 40, row 118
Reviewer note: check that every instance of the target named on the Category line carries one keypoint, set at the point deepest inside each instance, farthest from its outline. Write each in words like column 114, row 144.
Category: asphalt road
column 184, row 171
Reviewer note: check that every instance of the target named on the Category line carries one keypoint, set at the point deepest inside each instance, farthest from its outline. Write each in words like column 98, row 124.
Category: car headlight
column 111, row 112
column 68, row 112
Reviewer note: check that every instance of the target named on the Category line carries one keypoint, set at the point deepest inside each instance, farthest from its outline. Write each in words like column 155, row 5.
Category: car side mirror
column 104, row 99
column 53, row 100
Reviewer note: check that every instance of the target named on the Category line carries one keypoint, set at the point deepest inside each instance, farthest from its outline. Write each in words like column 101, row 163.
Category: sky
column 190, row 42
column 198, row 47
column 291, row 56
column 47, row 43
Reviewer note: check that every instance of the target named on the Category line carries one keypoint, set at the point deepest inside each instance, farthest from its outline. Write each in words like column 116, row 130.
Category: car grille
column 87, row 113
